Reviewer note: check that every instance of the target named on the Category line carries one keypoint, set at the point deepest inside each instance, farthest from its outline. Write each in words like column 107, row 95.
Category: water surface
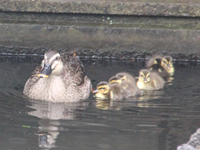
column 161, row 120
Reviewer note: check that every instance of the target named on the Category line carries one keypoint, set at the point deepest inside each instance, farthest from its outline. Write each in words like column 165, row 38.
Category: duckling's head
column 123, row 76
column 167, row 63
column 157, row 61
column 115, row 80
column 144, row 76
column 126, row 77
column 51, row 64
column 102, row 90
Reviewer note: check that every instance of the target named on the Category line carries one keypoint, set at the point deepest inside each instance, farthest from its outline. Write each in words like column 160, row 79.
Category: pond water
column 161, row 120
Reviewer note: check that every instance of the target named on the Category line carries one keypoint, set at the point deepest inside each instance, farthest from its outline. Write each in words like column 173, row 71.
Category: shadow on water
column 160, row 120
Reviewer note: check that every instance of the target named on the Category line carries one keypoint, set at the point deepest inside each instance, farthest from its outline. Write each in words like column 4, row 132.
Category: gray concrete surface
column 112, row 28
column 116, row 7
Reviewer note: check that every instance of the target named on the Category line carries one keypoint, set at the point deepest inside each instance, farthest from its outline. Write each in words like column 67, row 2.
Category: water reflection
column 136, row 101
column 159, row 120
column 50, row 115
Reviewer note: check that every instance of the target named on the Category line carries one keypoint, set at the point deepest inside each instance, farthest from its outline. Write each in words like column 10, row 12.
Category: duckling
column 150, row 80
column 167, row 64
column 114, row 80
column 128, row 83
column 106, row 91
column 59, row 78
column 161, row 64
column 155, row 60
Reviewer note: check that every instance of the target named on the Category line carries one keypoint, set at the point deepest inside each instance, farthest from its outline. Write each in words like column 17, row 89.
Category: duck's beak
column 42, row 75
column 45, row 72
column 95, row 91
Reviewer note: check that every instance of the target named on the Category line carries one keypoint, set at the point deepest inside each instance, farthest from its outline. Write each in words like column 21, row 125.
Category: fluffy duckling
column 59, row 78
column 115, row 80
column 128, row 83
column 153, row 61
column 167, row 64
column 108, row 91
column 161, row 64
column 150, row 80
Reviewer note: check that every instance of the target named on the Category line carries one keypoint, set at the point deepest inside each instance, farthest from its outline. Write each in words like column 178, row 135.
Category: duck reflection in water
column 136, row 101
column 50, row 113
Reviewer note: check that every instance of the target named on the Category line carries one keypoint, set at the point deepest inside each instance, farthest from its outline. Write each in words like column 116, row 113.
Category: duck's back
column 157, row 81
column 152, row 60
column 73, row 69
column 75, row 76
column 116, row 92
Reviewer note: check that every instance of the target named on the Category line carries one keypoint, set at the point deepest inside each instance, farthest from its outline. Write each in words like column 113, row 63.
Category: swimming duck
column 161, row 64
column 114, row 80
column 149, row 80
column 59, row 78
column 156, row 59
column 128, row 83
column 167, row 64
column 108, row 91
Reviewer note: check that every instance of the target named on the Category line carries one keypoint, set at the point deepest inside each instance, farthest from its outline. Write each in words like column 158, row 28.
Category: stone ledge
column 175, row 8
column 101, row 28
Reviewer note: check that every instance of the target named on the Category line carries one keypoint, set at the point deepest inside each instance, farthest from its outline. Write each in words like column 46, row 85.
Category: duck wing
column 33, row 79
column 74, row 72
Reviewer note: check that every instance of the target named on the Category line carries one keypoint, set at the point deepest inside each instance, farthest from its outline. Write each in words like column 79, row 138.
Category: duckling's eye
column 141, row 75
column 120, row 76
column 57, row 58
column 165, row 62
column 122, row 79
column 102, row 88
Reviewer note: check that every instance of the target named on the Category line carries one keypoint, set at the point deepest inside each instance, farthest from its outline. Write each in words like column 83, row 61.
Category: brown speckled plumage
column 71, row 84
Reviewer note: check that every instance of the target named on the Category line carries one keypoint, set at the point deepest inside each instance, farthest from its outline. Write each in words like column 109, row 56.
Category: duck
column 167, row 64
column 128, row 83
column 59, row 78
column 108, row 91
column 161, row 64
column 149, row 80
column 156, row 59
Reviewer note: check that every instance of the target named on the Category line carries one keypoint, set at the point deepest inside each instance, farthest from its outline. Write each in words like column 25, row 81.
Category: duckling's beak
column 145, row 80
column 95, row 91
column 45, row 72
column 168, row 66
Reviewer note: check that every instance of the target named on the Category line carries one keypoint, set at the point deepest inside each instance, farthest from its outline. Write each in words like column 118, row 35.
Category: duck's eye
column 102, row 88
column 57, row 58
column 141, row 75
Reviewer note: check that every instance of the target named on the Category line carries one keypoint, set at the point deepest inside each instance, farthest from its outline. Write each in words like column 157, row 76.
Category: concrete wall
column 112, row 29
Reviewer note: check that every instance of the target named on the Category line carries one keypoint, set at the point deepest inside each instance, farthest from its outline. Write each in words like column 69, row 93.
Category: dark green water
column 160, row 121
